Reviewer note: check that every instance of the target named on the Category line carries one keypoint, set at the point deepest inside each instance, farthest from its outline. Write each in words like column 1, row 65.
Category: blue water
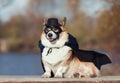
column 20, row 64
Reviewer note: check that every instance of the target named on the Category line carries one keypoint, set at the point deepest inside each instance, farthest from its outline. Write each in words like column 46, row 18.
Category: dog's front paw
column 58, row 75
column 46, row 75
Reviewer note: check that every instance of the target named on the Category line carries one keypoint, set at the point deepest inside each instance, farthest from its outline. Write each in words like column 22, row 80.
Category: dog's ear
column 44, row 21
column 63, row 22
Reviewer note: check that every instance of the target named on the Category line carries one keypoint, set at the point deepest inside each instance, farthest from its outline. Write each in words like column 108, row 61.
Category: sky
column 93, row 7
column 15, row 7
column 90, row 7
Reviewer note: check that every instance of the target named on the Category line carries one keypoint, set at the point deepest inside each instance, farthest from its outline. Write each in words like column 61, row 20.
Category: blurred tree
column 41, row 7
column 109, row 27
column 73, row 6
column 22, row 32
column 0, row 23
column 26, row 29
column 81, row 24
column 12, row 27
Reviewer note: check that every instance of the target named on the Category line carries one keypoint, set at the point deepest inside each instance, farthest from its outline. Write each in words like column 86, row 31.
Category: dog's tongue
column 51, row 39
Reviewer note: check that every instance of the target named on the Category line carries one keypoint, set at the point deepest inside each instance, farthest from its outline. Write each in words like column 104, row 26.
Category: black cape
column 96, row 57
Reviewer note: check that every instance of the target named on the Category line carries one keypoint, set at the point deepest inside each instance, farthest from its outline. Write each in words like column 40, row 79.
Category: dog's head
column 53, row 28
column 54, row 35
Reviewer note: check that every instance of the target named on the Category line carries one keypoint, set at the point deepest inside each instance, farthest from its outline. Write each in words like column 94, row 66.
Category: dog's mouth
column 52, row 39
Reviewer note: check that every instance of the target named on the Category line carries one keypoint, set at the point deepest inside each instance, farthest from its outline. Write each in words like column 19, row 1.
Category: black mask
column 55, row 29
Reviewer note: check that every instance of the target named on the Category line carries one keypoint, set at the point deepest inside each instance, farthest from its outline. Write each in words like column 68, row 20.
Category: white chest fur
column 56, row 55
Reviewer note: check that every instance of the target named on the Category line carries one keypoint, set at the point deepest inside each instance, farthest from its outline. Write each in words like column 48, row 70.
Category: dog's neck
column 59, row 42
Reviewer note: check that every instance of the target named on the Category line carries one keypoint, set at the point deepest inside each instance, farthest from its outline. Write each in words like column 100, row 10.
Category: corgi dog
column 59, row 58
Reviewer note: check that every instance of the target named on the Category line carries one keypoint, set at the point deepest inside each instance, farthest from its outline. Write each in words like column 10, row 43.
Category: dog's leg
column 63, row 66
column 47, row 73
column 61, row 69
column 88, row 69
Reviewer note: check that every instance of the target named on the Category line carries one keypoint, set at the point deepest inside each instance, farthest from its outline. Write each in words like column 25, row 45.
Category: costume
column 97, row 58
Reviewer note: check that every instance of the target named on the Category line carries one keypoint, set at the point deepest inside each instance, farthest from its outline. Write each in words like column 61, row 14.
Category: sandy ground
column 17, row 79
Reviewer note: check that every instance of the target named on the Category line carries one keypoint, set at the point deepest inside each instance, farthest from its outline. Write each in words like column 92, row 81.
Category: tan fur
column 71, row 66
column 76, row 67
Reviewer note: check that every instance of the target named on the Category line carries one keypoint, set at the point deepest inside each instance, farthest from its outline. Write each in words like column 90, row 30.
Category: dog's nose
column 50, row 35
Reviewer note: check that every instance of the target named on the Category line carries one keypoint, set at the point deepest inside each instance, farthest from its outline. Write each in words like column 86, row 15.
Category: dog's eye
column 47, row 29
column 55, row 30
